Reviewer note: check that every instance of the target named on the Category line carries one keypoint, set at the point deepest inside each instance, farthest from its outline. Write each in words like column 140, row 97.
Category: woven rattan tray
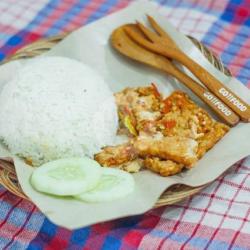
column 7, row 171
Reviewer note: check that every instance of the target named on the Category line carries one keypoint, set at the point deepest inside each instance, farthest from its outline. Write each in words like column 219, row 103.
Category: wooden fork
column 128, row 47
column 161, row 43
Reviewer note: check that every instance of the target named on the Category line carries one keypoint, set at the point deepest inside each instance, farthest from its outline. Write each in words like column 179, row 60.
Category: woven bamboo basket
column 8, row 176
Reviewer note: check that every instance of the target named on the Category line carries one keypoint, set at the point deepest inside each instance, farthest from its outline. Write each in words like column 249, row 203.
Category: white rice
column 56, row 107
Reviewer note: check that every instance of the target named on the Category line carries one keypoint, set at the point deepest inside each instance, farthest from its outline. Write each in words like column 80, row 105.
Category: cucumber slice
column 64, row 177
column 113, row 184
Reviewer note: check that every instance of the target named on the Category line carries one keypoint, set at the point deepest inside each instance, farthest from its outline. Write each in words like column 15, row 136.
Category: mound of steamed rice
column 56, row 107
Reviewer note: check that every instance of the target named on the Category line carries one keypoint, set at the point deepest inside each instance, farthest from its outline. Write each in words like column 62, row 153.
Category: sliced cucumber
column 69, row 176
column 113, row 184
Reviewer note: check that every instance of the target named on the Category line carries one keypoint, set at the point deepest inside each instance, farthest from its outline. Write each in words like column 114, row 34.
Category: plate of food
column 103, row 123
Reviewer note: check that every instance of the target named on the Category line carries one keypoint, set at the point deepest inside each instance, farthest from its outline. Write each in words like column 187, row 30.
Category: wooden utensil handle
column 210, row 99
column 216, row 87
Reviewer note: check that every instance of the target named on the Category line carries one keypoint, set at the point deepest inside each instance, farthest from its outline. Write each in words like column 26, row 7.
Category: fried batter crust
column 179, row 149
column 141, row 106
column 190, row 121
column 116, row 155
column 211, row 138
column 168, row 134
column 163, row 167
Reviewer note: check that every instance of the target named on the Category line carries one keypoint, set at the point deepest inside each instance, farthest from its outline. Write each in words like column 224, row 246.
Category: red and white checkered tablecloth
column 216, row 218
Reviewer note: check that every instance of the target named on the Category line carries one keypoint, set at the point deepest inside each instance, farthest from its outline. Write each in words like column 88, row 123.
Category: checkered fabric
column 216, row 218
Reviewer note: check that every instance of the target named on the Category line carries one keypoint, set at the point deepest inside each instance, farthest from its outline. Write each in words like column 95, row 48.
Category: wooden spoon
column 126, row 46
column 161, row 43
